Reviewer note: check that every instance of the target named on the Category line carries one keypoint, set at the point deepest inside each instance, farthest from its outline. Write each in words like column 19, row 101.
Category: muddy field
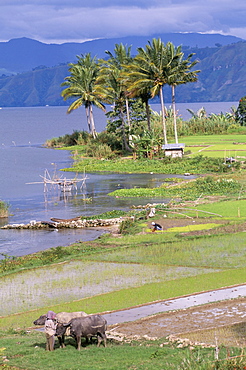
column 220, row 322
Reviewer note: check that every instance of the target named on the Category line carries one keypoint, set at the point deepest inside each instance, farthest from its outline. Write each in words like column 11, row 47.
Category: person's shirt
column 50, row 327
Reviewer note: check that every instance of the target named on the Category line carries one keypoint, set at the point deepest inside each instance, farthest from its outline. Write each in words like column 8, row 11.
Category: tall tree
column 111, row 87
column 121, row 58
column 81, row 86
column 180, row 73
column 149, row 73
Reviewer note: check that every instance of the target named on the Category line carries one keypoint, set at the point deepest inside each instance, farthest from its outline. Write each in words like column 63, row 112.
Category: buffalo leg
column 100, row 337
column 78, row 338
column 61, row 339
column 104, row 339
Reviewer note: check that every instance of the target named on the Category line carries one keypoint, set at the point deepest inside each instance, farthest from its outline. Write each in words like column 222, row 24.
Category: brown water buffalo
column 86, row 327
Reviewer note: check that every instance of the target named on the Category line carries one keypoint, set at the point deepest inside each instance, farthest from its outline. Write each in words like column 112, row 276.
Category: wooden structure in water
column 61, row 183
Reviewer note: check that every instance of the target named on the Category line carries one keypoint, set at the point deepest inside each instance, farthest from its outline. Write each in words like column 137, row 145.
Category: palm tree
column 149, row 73
column 110, row 85
column 121, row 58
column 143, row 94
column 81, row 86
column 180, row 73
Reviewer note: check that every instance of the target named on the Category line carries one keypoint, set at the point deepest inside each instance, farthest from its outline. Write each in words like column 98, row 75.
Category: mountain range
column 32, row 72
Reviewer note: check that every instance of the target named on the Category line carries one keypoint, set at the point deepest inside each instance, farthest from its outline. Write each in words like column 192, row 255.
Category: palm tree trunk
column 174, row 115
column 93, row 129
column 88, row 117
column 148, row 114
column 124, row 141
column 127, row 114
column 163, row 116
column 146, row 103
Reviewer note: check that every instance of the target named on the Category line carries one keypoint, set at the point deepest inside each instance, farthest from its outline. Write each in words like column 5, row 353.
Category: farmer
column 50, row 330
column 156, row 226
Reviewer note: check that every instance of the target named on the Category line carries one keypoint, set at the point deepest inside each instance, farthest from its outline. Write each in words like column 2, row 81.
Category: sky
column 60, row 21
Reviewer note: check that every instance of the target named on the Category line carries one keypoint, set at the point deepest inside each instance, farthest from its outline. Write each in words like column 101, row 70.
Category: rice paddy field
column 217, row 146
column 127, row 270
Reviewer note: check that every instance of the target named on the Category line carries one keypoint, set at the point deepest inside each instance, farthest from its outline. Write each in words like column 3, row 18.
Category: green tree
column 134, row 91
column 111, row 86
column 80, row 85
column 180, row 73
column 241, row 112
column 121, row 58
column 149, row 73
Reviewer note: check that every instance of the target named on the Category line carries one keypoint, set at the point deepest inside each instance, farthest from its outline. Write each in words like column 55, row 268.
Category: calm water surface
column 23, row 160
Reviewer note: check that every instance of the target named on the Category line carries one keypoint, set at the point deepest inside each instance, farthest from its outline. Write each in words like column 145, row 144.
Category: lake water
column 23, row 160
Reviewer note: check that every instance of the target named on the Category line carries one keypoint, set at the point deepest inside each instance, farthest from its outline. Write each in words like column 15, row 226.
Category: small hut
column 174, row 150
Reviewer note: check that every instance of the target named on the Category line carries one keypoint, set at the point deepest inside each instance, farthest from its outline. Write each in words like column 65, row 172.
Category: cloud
column 65, row 21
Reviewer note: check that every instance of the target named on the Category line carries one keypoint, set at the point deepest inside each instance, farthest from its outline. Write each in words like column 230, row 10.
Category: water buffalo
column 86, row 327
column 62, row 317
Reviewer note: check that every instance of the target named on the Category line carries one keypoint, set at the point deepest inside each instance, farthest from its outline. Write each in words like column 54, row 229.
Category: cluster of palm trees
column 120, row 77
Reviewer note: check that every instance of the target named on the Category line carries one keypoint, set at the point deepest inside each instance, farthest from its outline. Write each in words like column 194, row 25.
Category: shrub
column 77, row 137
column 3, row 209
column 241, row 112
column 125, row 226
column 99, row 151
column 109, row 138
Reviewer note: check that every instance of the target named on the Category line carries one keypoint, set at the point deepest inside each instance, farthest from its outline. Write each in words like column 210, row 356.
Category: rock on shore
column 74, row 224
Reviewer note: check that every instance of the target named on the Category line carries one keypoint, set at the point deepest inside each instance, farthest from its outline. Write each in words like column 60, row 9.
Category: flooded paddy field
column 75, row 280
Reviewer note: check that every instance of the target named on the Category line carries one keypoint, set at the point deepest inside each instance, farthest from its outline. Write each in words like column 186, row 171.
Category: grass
column 27, row 351
column 205, row 186
column 229, row 209
column 228, row 139
column 223, row 251
column 216, row 146
column 195, row 165
column 191, row 228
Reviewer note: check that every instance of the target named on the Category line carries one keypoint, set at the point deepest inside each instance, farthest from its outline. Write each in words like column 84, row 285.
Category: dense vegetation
column 143, row 144
column 241, row 111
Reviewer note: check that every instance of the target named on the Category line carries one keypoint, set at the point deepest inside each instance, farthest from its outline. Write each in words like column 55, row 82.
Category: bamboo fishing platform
column 60, row 182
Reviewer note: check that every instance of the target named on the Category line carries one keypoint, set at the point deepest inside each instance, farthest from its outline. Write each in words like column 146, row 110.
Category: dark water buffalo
column 86, row 327
column 62, row 317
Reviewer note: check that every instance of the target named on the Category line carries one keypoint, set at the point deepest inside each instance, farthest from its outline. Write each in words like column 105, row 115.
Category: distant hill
column 222, row 77
column 23, row 54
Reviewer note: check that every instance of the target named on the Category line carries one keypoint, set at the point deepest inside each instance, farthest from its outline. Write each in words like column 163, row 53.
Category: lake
column 23, row 161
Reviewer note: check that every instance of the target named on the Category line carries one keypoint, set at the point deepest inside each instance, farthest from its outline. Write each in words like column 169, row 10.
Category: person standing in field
column 50, row 330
